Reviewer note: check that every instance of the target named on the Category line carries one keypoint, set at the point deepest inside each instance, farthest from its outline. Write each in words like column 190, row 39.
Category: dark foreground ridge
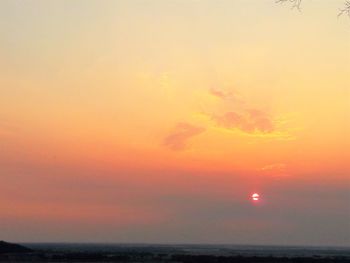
column 6, row 247
column 169, row 254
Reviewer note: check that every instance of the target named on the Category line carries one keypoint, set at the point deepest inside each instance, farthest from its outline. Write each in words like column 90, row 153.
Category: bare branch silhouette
column 346, row 9
column 295, row 3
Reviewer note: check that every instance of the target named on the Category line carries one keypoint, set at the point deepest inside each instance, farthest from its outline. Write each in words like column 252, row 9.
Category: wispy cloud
column 178, row 138
column 237, row 113
column 230, row 96
column 218, row 93
column 249, row 121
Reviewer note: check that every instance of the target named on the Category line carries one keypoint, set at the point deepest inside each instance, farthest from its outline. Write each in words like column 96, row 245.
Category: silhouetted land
column 6, row 247
column 171, row 253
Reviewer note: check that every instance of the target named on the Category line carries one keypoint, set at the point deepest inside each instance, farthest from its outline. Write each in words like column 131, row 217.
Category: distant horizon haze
column 157, row 120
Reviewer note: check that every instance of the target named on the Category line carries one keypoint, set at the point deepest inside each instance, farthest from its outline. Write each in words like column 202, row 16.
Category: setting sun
column 255, row 197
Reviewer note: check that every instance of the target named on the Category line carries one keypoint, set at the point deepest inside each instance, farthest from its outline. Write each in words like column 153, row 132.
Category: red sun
column 255, row 197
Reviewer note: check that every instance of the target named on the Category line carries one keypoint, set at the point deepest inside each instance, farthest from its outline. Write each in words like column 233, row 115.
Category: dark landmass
column 45, row 252
column 6, row 247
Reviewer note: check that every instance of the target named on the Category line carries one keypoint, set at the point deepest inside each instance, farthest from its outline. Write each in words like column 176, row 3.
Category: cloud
column 177, row 139
column 231, row 96
column 240, row 115
column 261, row 120
column 218, row 93
column 249, row 121
column 232, row 112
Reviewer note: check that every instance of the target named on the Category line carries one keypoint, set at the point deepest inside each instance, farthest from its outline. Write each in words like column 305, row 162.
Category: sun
column 255, row 197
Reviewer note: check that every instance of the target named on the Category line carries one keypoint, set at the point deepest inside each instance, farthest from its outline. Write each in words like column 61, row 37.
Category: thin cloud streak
column 178, row 138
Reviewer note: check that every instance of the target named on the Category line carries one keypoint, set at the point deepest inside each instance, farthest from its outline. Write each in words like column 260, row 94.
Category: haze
column 155, row 121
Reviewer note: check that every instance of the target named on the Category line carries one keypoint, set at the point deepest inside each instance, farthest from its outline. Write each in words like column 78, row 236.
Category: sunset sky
column 156, row 120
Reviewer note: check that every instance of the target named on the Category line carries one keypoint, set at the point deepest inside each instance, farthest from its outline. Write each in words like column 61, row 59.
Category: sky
column 155, row 121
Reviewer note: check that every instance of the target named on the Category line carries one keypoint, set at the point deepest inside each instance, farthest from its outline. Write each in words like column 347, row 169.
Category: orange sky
column 154, row 121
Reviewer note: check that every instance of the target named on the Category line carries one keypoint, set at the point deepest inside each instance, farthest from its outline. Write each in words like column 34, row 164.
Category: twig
column 295, row 3
column 346, row 9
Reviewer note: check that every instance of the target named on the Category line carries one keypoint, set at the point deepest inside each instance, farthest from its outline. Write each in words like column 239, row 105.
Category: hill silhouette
column 6, row 247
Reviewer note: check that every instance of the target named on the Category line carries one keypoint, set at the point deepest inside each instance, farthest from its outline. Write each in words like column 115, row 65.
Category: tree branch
column 346, row 9
column 295, row 3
